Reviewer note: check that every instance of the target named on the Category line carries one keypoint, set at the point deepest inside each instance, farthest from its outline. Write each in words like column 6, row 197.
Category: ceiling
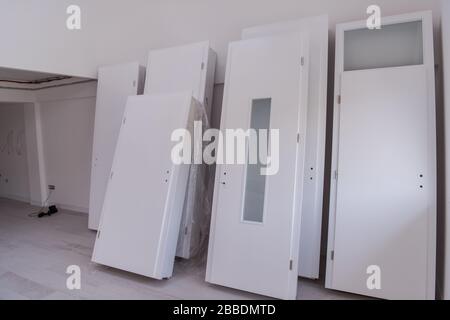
column 24, row 75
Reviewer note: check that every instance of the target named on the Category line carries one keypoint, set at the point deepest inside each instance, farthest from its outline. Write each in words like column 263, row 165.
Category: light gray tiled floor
column 34, row 255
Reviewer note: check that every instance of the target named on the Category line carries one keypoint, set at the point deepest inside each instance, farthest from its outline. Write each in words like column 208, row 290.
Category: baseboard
column 39, row 204
column 15, row 197
column 72, row 208
column 36, row 203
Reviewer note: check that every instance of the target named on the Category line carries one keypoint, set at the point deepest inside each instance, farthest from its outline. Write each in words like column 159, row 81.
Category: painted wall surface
column 13, row 153
column 67, row 116
column 446, row 60
column 16, row 96
column 35, row 154
column 117, row 31
column 57, row 125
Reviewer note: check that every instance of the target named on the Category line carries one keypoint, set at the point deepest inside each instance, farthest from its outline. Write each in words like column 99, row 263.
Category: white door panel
column 144, row 200
column 188, row 67
column 310, row 238
column 178, row 69
column 115, row 84
column 382, row 188
column 266, row 85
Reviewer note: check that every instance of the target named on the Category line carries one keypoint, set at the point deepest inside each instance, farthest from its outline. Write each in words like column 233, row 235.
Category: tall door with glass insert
column 255, row 226
column 382, row 230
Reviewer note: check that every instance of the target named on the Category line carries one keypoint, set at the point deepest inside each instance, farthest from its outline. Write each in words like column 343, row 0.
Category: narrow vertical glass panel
column 255, row 185
column 393, row 45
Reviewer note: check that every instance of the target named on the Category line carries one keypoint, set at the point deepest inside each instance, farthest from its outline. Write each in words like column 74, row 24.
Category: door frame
column 428, row 57
column 299, row 174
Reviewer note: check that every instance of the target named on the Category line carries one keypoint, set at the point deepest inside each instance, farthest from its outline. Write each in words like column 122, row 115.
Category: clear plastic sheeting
column 194, row 229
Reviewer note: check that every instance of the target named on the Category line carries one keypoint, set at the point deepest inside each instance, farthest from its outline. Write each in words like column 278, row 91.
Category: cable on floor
column 36, row 214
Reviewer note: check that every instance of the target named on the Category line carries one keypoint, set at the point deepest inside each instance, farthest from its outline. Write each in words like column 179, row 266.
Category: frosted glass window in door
column 255, row 185
column 391, row 46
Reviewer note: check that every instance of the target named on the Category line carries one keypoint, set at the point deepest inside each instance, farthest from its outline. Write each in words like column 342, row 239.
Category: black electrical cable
column 35, row 214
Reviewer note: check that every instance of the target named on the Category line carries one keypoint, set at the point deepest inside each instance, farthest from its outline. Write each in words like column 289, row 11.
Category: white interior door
column 188, row 67
column 310, row 235
column 178, row 69
column 115, row 84
column 383, row 183
column 255, row 226
column 144, row 200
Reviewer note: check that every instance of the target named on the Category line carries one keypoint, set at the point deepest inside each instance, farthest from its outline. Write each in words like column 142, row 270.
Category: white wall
column 37, row 39
column 35, row 152
column 14, row 181
column 67, row 116
column 58, row 124
column 118, row 31
column 16, row 96
column 446, row 57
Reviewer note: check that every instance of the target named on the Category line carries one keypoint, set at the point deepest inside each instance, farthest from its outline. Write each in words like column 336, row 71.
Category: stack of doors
column 382, row 230
column 144, row 204
column 189, row 67
column 256, row 219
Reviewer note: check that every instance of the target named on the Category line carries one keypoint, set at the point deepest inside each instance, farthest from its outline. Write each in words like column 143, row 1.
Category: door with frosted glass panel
column 256, row 218
column 382, row 231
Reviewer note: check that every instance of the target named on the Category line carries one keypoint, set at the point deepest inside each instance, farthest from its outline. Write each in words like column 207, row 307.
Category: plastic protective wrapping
column 194, row 229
